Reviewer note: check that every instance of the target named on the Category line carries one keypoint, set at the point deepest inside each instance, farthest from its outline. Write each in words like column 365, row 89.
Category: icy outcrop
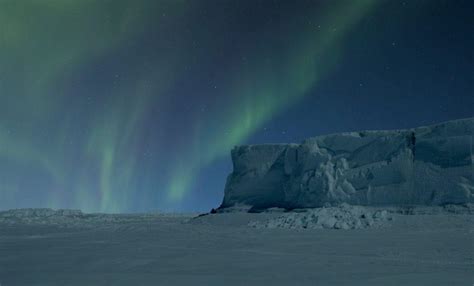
column 341, row 217
column 422, row 166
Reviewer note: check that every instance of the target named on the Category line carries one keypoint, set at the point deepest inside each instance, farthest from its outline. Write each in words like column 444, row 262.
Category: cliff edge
column 431, row 165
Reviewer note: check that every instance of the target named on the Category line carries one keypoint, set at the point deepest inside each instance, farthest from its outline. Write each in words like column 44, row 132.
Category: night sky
column 134, row 106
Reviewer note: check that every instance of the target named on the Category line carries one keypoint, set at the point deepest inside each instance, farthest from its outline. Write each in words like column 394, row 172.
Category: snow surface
column 419, row 246
column 431, row 165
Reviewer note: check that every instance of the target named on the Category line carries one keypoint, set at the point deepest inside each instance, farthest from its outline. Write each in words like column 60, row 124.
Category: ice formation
column 341, row 217
column 430, row 165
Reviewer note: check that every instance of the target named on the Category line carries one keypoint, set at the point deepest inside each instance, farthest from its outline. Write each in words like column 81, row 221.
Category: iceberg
column 431, row 165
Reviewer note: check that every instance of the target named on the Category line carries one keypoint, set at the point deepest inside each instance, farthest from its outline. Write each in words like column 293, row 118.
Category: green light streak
column 265, row 91
column 43, row 45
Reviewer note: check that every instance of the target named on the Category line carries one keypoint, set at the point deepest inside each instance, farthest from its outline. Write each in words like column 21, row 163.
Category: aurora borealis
column 118, row 106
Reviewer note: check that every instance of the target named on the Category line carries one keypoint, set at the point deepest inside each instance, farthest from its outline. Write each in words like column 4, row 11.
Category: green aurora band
column 266, row 89
column 46, row 45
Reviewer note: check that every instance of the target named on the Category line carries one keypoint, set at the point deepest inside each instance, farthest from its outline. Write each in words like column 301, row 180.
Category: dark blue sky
column 134, row 105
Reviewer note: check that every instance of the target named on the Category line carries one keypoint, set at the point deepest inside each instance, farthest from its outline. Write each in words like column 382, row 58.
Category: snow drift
column 341, row 217
column 421, row 166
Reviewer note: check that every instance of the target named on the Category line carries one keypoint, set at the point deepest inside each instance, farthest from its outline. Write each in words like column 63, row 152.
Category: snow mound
column 70, row 218
column 39, row 213
column 449, row 209
column 342, row 217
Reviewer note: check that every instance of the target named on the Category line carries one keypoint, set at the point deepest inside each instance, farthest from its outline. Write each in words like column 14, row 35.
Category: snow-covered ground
column 402, row 246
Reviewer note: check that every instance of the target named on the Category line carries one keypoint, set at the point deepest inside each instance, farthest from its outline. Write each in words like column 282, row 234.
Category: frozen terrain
column 403, row 246
column 361, row 208
column 430, row 165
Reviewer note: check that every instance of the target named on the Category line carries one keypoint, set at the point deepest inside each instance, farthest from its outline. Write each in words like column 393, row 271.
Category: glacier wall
column 430, row 165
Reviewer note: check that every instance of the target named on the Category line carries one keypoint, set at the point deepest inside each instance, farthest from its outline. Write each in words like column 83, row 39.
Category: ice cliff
column 430, row 165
